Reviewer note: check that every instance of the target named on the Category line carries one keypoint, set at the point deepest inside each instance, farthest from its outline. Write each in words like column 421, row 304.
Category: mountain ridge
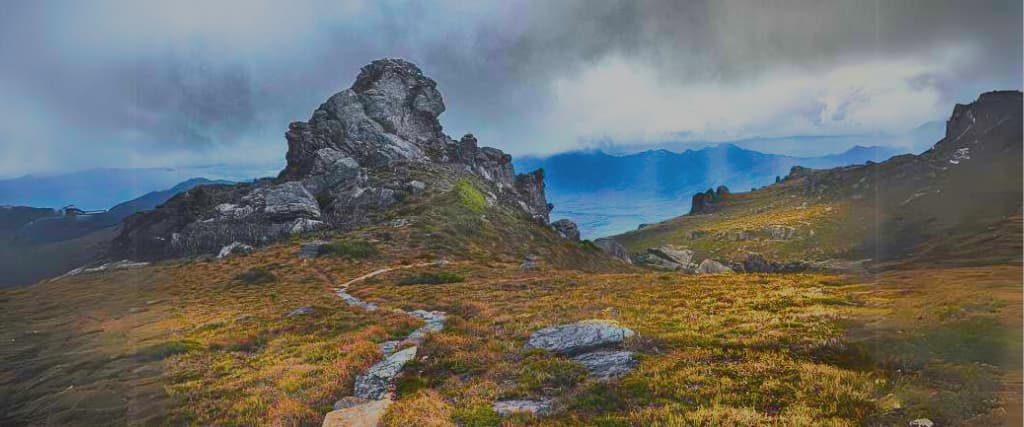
column 958, row 203
column 607, row 194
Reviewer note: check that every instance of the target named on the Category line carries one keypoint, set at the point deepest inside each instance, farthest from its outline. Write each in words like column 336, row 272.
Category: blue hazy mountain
column 103, row 188
column 608, row 194
column 54, row 228
column 36, row 243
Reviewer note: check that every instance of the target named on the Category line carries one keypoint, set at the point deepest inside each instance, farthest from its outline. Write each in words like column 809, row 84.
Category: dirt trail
column 372, row 388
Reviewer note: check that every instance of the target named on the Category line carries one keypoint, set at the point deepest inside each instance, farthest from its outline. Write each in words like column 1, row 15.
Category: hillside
column 958, row 203
column 610, row 194
column 393, row 276
column 264, row 339
column 38, row 243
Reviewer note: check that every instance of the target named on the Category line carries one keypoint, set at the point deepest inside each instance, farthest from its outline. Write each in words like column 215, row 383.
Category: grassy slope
column 800, row 349
column 190, row 343
column 826, row 228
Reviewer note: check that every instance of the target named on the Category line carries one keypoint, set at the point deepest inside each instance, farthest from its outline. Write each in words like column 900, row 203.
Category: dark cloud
column 195, row 79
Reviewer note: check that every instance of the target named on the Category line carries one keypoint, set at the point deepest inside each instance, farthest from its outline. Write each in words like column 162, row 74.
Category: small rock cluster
column 672, row 258
column 567, row 229
column 596, row 344
column 235, row 248
column 757, row 263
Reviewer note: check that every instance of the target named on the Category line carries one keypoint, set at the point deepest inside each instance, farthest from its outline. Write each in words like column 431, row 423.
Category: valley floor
column 212, row 342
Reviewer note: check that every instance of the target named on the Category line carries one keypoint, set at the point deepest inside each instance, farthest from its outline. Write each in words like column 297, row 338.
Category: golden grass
column 716, row 350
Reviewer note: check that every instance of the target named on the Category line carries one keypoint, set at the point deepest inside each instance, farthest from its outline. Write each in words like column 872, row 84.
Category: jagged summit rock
column 364, row 150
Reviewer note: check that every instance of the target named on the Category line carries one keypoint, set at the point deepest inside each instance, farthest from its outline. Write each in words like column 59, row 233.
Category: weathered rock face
column 567, row 229
column 364, row 150
column 668, row 257
column 703, row 203
column 614, row 249
column 710, row 266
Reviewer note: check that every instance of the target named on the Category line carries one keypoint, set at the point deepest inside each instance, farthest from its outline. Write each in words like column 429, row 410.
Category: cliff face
column 364, row 150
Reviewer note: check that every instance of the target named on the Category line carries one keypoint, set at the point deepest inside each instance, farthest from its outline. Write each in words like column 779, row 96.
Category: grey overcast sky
column 89, row 84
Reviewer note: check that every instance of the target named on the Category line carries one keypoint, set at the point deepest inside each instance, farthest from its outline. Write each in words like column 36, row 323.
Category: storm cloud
column 140, row 84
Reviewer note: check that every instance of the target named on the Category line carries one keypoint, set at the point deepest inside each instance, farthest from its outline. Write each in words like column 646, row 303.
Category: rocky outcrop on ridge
column 364, row 150
column 567, row 229
column 705, row 202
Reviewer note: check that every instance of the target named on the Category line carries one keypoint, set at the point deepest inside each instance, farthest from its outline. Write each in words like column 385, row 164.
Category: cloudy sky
column 89, row 84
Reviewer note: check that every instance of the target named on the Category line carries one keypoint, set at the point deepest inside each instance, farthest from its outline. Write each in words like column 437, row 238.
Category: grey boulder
column 607, row 364
column 235, row 248
column 567, row 229
column 710, row 266
column 580, row 337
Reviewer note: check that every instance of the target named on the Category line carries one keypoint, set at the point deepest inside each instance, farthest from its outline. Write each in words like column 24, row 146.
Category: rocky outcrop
column 580, row 337
column 363, row 151
column 757, row 263
column 614, row 249
column 780, row 232
column 668, row 257
column 596, row 344
column 567, row 229
column 710, row 266
column 703, row 203
column 235, row 248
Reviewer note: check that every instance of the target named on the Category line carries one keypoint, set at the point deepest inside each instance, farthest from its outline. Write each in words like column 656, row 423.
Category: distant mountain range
column 40, row 242
column 607, row 194
column 103, row 188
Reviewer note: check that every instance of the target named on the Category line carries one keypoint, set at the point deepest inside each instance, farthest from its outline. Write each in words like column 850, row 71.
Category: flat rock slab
column 434, row 322
column 535, row 407
column 351, row 300
column 362, row 415
column 607, row 364
column 710, row 266
column 580, row 337
column 375, row 382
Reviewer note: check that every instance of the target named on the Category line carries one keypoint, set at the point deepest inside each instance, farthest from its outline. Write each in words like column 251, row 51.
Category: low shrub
column 349, row 248
column 256, row 276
